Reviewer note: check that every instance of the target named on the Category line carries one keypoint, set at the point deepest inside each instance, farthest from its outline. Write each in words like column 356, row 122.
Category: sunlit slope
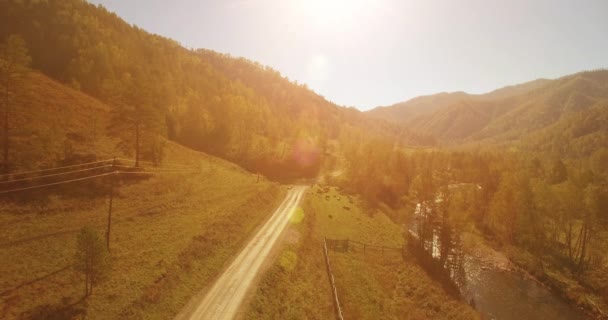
column 452, row 117
column 406, row 112
column 52, row 124
column 513, row 114
column 171, row 232
column 289, row 99
column 579, row 101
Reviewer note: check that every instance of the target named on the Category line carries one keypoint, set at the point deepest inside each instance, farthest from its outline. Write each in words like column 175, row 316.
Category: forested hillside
column 65, row 133
column 566, row 116
column 234, row 108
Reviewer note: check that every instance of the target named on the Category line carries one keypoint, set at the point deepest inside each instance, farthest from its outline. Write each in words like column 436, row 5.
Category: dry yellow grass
column 175, row 226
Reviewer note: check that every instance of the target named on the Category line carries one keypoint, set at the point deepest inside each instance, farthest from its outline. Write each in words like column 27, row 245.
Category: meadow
column 171, row 235
column 371, row 285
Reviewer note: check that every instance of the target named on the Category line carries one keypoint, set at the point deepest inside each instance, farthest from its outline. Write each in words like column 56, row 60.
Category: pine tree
column 14, row 63
column 136, row 120
column 92, row 258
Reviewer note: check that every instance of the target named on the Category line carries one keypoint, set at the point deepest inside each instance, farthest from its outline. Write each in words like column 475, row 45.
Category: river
column 507, row 295
column 497, row 291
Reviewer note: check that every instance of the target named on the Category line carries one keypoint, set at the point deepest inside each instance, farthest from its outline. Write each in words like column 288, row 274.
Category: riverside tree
column 92, row 258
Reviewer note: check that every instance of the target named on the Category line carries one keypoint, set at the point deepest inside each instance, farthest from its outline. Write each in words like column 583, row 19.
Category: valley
column 143, row 178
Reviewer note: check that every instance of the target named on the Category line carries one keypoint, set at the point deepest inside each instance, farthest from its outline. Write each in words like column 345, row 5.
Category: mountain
column 233, row 108
column 405, row 112
column 516, row 89
column 527, row 114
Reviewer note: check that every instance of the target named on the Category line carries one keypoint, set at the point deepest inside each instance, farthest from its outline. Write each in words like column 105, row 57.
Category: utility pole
column 6, row 130
column 113, row 177
column 137, row 144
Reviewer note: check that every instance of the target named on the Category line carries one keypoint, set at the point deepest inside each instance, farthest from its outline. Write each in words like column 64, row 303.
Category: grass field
column 371, row 285
column 171, row 234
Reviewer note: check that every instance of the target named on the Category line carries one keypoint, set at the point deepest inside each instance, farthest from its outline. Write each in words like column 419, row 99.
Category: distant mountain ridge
column 506, row 115
column 250, row 114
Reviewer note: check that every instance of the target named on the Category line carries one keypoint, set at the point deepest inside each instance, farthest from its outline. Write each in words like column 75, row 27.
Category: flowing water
column 501, row 294
column 506, row 295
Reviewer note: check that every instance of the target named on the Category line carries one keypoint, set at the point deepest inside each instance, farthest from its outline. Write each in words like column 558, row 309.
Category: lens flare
column 305, row 153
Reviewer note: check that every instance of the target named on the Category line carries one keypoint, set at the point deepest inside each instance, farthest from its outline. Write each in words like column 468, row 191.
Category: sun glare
column 333, row 13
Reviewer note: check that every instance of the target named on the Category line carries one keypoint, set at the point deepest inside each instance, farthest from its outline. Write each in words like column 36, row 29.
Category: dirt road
column 226, row 295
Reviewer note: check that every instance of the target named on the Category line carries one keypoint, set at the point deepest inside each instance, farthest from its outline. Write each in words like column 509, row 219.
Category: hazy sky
column 366, row 53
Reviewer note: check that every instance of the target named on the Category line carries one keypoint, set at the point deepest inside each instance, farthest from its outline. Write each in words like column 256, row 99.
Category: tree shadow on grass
column 42, row 278
column 66, row 309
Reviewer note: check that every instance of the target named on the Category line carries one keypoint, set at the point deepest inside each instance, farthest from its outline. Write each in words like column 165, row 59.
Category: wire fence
column 347, row 245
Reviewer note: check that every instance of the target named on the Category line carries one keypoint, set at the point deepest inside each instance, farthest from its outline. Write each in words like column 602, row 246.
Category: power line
column 154, row 169
column 57, row 183
column 54, row 174
column 156, row 172
column 95, row 176
column 162, row 165
column 34, row 115
column 86, row 164
column 57, row 168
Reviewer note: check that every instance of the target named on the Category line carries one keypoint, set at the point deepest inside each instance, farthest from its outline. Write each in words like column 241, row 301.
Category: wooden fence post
column 332, row 282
